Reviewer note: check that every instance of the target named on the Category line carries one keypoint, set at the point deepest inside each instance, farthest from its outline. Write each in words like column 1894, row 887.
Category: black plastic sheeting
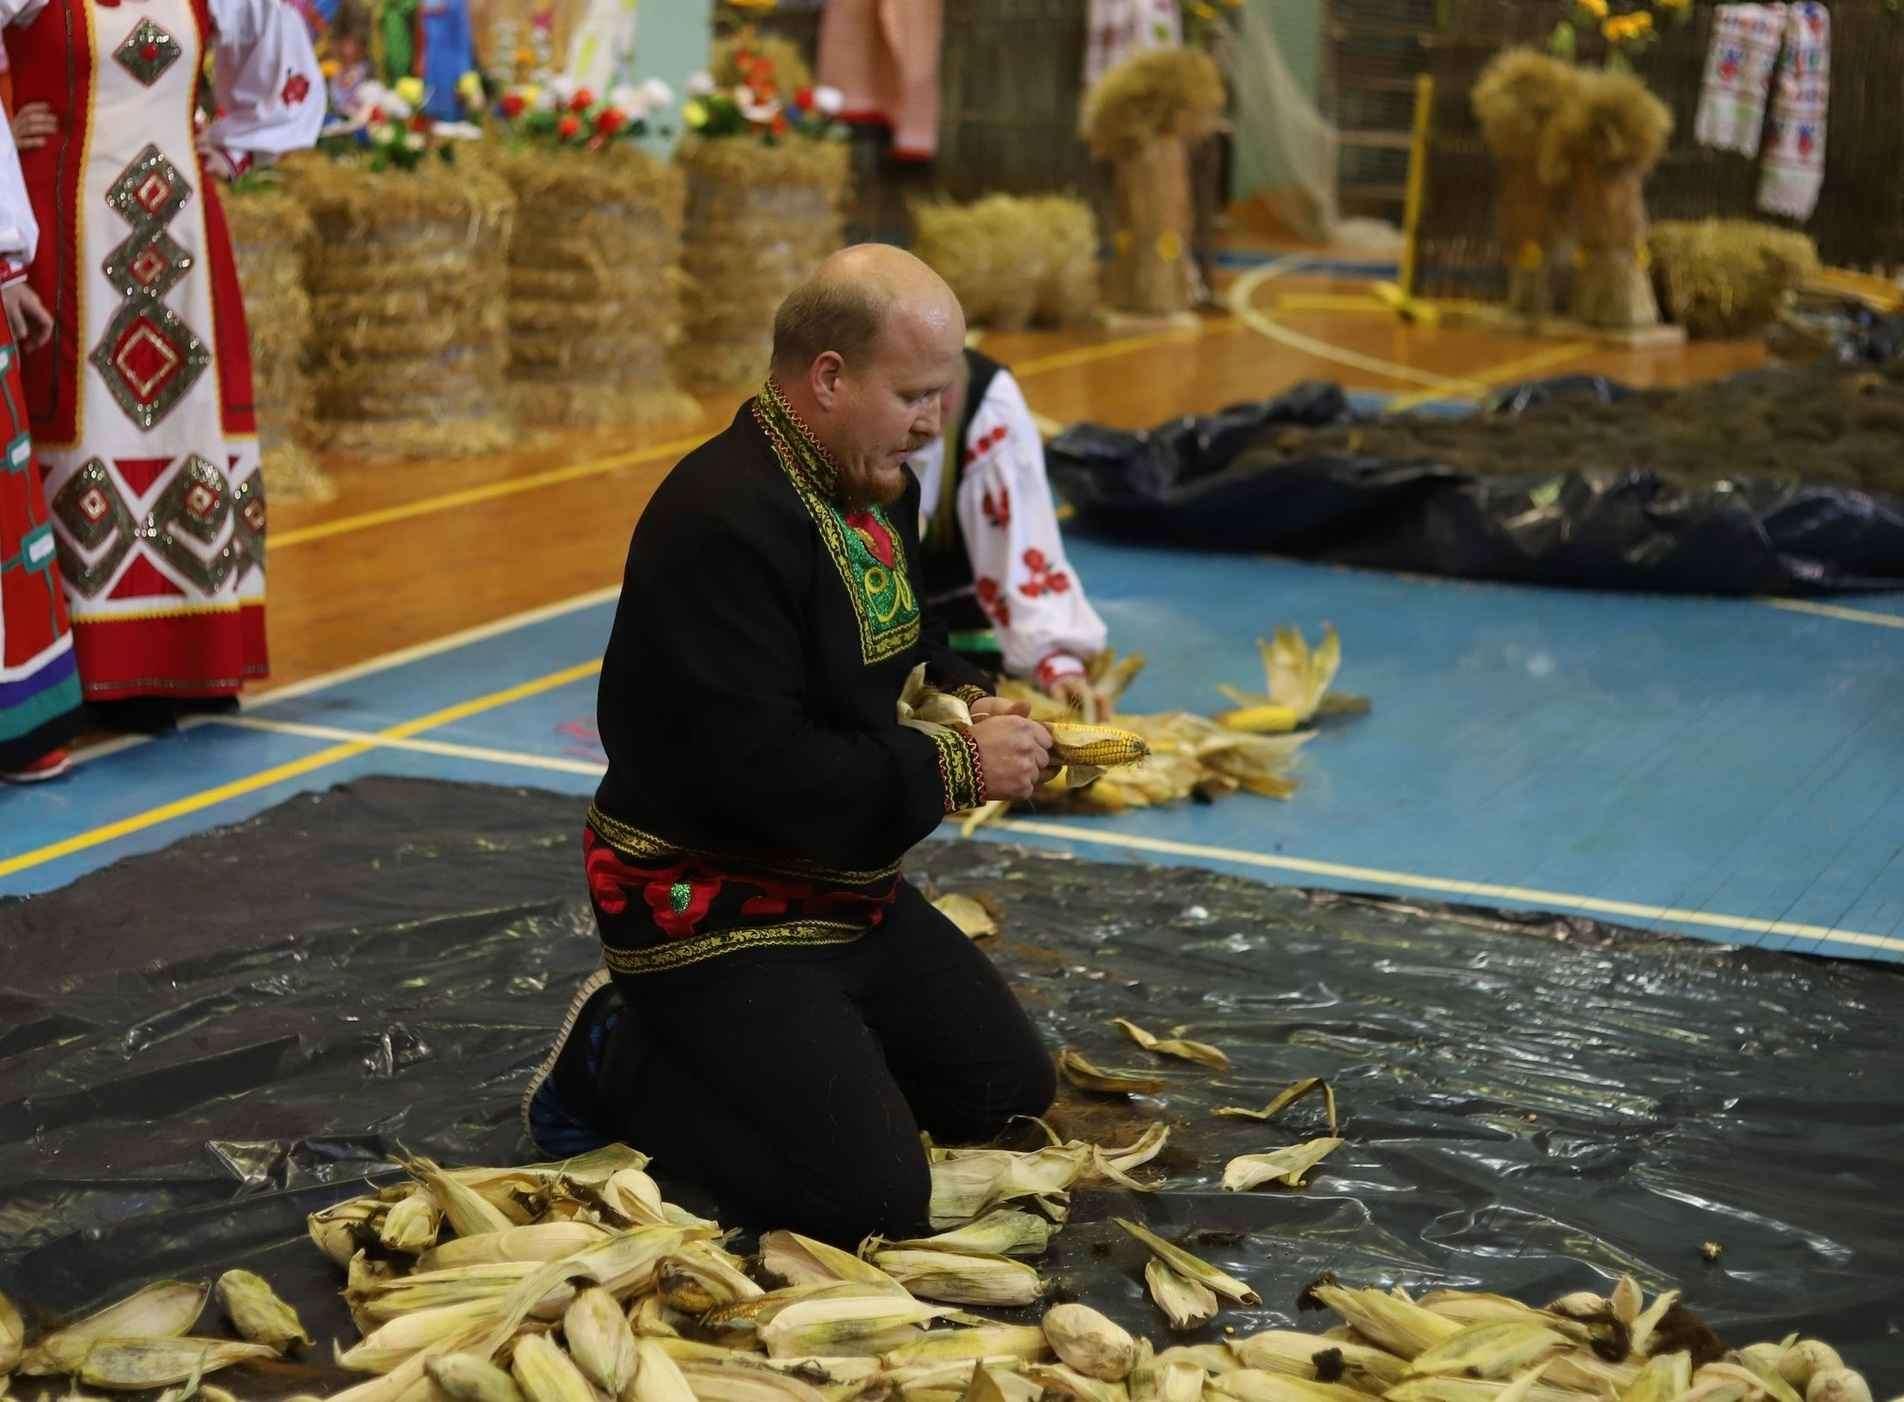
column 201, row 1045
column 1204, row 481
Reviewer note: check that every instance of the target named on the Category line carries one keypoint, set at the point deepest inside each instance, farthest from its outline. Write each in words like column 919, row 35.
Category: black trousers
column 793, row 1086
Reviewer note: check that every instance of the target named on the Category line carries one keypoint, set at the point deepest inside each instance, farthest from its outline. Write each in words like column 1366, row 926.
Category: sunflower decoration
column 1629, row 27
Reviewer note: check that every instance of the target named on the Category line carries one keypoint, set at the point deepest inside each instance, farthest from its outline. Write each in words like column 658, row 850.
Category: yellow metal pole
column 1417, row 179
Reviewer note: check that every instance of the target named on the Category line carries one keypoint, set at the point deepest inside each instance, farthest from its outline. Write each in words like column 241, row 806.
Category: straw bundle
column 1604, row 142
column 1143, row 116
column 1013, row 260
column 406, row 279
column 270, row 233
column 1515, row 100
column 594, row 301
column 759, row 220
column 1728, row 277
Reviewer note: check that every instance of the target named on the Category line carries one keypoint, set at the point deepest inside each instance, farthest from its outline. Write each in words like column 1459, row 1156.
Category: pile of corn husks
column 1249, row 748
column 578, row 1282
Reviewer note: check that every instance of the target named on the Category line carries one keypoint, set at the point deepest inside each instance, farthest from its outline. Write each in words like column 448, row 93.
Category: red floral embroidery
column 659, row 893
column 998, row 509
column 871, row 530
column 296, row 88
column 984, row 444
column 992, row 599
column 1043, row 579
column 608, row 876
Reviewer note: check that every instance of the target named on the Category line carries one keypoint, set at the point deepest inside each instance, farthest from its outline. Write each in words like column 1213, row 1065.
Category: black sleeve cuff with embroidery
column 972, row 695
column 960, row 770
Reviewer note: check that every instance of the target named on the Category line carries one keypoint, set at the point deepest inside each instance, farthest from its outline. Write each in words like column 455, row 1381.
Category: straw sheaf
column 270, row 232
column 1610, row 121
column 1728, row 277
column 741, row 163
column 1517, row 96
column 1013, row 260
column 1161, row 92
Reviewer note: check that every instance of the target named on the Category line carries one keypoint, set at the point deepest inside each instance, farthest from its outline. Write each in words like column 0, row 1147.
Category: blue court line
column 1375, row 270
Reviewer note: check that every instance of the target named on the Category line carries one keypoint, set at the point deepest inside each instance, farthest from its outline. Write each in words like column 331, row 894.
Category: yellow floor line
column 1242, row 307
column 470, row 496
column 1837, row 611
column 1507, row 372
column 1110, row 350
column 444, row 748
column 294, row 769
column 1447, row 886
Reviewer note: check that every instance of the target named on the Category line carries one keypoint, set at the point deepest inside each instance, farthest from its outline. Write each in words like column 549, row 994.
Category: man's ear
column 823, row 378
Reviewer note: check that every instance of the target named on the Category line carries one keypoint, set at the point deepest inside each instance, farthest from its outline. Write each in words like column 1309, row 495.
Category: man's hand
column 33, row 125
column 999, row 706
column 27, row 316
column 1016, row 753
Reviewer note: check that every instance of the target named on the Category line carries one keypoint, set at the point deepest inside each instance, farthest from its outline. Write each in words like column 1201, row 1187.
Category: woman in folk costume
column 39, row 688
column 995, row 570
column 141, row 400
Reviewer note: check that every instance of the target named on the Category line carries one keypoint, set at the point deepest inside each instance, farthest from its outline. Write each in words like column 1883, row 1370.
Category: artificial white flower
column 700, row 84
column 628, row 99
column 459, row 131
column 560, row 90
column 657, row 93
column 761, row 112
column 413, row 141
column 829, row 100
column 383, row 133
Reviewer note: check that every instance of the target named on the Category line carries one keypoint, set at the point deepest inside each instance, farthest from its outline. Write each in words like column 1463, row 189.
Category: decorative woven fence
column 1859, row 222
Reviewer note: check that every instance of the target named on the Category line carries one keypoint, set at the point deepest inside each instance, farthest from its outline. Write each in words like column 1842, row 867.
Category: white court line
column 381, row 663
column 1838, row 611
column 429, row 747
column 1442, row 885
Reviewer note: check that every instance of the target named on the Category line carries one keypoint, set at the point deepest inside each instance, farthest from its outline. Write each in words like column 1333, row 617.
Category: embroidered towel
column 1794, row 165
column 1745, row 40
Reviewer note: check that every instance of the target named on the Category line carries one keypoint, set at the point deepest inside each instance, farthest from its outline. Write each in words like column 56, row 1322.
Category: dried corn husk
column 1086, row 1076
column 159, row 1311
column 1192, row 1267
column 1661, row 1380
column 1249, row 1385
column 1090, row 1343
column 971, row 915
column 1284, row 1099
column 546, row 1374
column 746, row 1382
column 847, row 1326
column 395, row 1343
column 1491, row 1350
column 658, row 1378
column 1285, row 1166
column 468, row 1211
column 800, row 1260
column 136, row 1364
column 992, row 1383
column 599, row 1340
column 696, row 1282
column 12, row 1336
column 1398, row 1325
column 463, row 1377
column 530, row 1245
column 1200, row 1052
column 1068, row 1382
column 1837, row 1385
column 1185, row 1303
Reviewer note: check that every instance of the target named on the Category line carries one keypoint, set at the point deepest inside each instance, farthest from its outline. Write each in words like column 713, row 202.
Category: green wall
column 1298, row 28
column 671, row 41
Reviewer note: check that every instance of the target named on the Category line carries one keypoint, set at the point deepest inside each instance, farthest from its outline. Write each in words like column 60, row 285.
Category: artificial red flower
column 419, row 123
column 582, row 101
column 568, row 127
column 780, row 124
column 511, row 106
column 376, row 115
column 803, row 99
column 611, row 120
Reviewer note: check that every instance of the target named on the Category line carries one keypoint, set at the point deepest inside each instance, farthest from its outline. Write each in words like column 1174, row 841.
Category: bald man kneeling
column 781, row 1013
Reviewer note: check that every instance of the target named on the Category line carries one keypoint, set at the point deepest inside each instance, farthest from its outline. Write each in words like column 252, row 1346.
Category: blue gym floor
column 1729, row 769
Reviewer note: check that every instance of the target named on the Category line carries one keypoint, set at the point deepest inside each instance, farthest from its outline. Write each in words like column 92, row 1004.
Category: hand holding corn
column 1016, row 753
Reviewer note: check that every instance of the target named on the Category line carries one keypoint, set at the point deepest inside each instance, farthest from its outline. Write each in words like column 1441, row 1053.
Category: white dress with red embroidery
column 141, row 405
column 1046, row 627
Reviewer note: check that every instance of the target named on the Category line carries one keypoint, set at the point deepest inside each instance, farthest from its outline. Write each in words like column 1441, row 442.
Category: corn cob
column 1262, row 719
column 133, row 1364
column 995, row 1384
column 1087, row 1341
column 1068, row 1382
column 1098, row 746
column 468, row 1211
column 801, row 1260
column 847, row 1326
column 1401, row 1326
column 463, row 1377
column 1006, row 1232
column 1200, row 1052
column 1806, row 1358
column 159, row 1311
column 411, row 1226
column 392, row 1344
column 1837, row 1385
column 546, row 1374
column 1491, row 1350
column 1020, row 1341
column 743, row 1382
column 544, row 1241
column 1185, row 1303
column 1214, row 1359
column 695, row 1282
column 341, row 1229
column 258, row 1314
column 1661, row 1380
column 1286, row 1351
column 658, row 1377
column 599, row 1340
column 1192, row 1267
column 1249, row 1385
column 962, row 1279
column 650, row 1319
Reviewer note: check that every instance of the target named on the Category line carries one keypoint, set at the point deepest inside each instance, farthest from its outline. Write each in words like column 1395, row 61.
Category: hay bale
column 594, row 305
column 406, row 277
column 1722, row 278
column 269, row 235
column 1011, row 260
column 759, row 219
